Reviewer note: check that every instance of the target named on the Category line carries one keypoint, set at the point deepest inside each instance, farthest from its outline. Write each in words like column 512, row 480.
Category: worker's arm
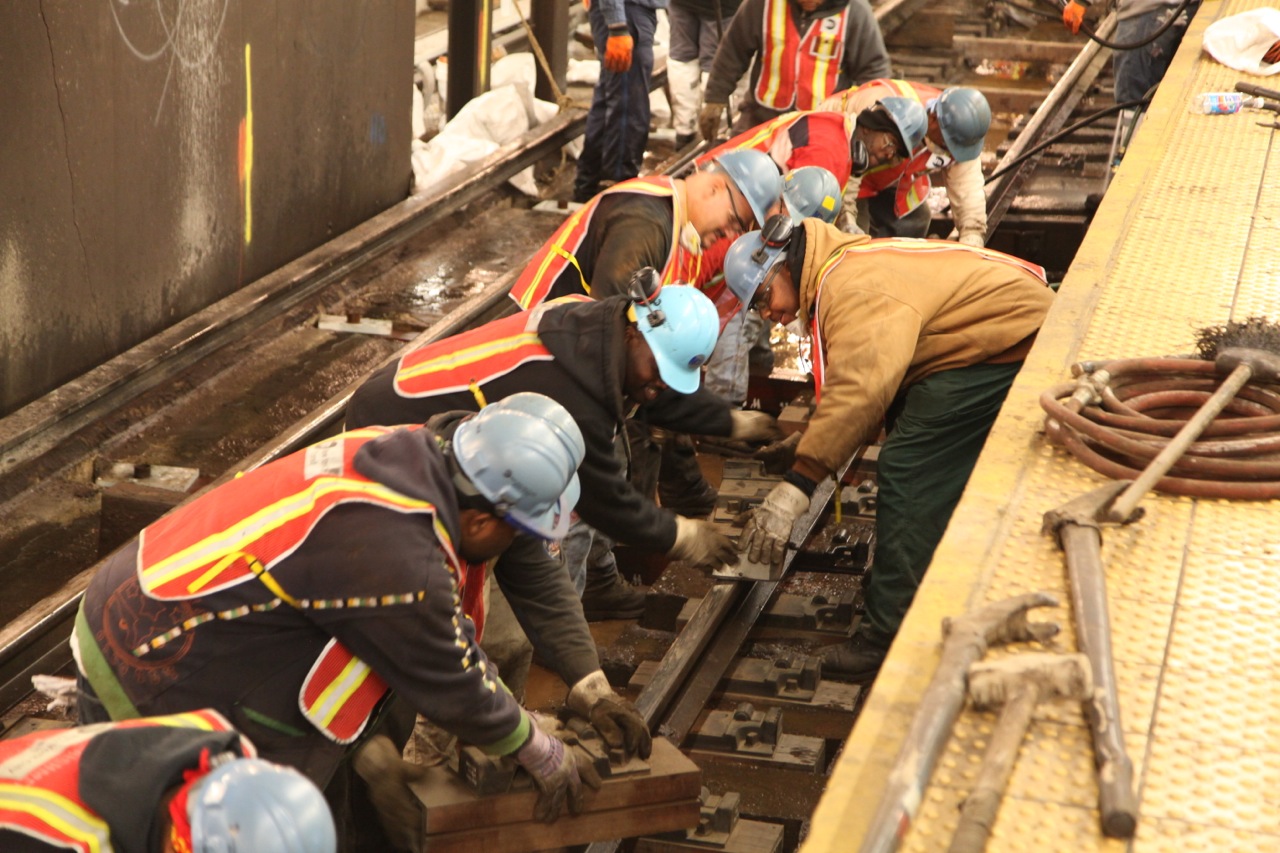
column 870, row 340
column 703, row 412
column 966, row 191
column 630, row 232
column 614, row 11
column 737, row 49
column 865, row 56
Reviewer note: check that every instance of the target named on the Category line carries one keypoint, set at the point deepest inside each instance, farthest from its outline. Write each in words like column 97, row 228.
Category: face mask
column 689, row 239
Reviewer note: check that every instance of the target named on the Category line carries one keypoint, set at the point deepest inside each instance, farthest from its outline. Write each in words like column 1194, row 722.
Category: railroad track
column 440, row 265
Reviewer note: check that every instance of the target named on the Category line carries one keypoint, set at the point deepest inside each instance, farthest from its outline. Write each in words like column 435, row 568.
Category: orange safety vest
column 798, row 71
column 890, row 245
column 40, row 780
column 911, row 176
column 758, row 138
column 258, row 520
column 473, row 358
column 559, row 252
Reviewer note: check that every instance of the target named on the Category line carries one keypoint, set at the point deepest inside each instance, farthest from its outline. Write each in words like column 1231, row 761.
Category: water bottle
column 1222, row 103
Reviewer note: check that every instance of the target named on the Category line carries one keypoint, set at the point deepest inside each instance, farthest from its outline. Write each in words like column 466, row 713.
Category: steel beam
column 470, row 52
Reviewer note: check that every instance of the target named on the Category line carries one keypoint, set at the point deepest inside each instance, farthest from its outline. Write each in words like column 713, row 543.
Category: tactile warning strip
column 1187, row 236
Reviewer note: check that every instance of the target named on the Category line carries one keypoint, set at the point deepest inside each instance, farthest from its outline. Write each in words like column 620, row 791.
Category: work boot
column 610, row 597
column 681, row 486
column 857, row 660
column 684, row 139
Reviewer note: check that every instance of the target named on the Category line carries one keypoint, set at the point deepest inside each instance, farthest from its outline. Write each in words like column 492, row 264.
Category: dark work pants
column 877, row 219
column 937, row 429
column 1136, row 71
column 618, row 123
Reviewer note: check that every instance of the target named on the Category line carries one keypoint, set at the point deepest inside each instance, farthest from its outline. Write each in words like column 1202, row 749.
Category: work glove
column 768, row 527
column 753, row 426
column 973, row 238
column 379, row 764
column 617, row 51
column 700, row 544
column 554, row 769
column 779, row 456
column 709, row 121
column 1073, row 15
column 614, row 718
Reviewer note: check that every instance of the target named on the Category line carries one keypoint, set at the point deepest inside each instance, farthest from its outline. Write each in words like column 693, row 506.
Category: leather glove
column 1073, row 16
column 709, row 121
column 614, row 718
column 779, row 456
column 700, row 544
column 973, row 238
column 554, row 770
column 617, row 52
column 754, row 426
column 379, row 764
column 769, row 525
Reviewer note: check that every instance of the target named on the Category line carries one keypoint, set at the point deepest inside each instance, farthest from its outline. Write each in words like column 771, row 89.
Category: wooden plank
column 583, row 829
column 453, row 806
column 747, row 836
column 1022, row 50
column 929, row 28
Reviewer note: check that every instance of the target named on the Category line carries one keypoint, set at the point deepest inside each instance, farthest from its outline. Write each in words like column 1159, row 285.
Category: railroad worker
column 657, row 222
column 796, row 139
column 618, row 121
column 696, row 29
column 799, row 52
column 922, row 337
column 598, row 359
column 187, row 782
column 1139, row 71
column 294, row 597
column 891, row 200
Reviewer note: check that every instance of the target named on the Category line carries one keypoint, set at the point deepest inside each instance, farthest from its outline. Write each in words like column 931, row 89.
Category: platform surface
column 1187, row 236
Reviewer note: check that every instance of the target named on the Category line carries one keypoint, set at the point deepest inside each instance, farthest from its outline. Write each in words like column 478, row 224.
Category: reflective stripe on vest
column 798, row 72
column 758, row 138
column 257, row 520
column 560, row 251
column 892, row 245
column 478, row 356
column 40, row 781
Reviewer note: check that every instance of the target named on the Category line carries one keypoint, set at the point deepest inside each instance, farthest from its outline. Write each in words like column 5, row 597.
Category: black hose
column 1066, row 131
column 1091, row 33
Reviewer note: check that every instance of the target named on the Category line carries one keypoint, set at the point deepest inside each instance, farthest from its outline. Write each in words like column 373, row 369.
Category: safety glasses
column 742, row 225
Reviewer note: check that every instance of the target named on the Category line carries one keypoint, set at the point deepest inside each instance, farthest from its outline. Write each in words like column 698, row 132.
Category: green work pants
column 936, row 430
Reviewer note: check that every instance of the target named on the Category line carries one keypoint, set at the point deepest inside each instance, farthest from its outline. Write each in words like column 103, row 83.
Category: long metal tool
column 1077, row 526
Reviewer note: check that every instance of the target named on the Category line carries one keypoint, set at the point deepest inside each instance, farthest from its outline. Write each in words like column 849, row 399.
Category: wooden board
column 748, row 836
column 666, row 798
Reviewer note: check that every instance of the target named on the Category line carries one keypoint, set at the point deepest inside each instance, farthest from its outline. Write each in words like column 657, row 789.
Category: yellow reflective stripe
column 266, row 520
column 332, row 699
column 573, row 259
column 477, row 394
column 187, row 721
column 255, row 566
column 68, row 817
column 822, row 63
column 769, row 129
column 776, row 34
column 469, row 355
column 905, row 90
column 215, row 570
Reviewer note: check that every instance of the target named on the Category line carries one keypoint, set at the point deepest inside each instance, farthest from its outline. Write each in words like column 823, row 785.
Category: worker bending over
column 187, row 783
column 798, row 52
column 294, row 597
column 920, row 337
column 891, row 200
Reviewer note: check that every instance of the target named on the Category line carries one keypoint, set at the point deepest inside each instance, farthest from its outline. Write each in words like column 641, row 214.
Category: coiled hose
column 1118, row 415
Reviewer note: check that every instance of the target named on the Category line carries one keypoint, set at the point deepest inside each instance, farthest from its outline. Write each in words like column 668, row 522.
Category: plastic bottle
column 1222, row 103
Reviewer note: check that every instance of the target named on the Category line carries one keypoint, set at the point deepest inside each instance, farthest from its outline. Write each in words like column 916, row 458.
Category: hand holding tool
column 1018, row 684
column 967, row 638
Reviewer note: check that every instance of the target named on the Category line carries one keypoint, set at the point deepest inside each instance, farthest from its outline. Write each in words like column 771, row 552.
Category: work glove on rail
column 779, row 456
column 388, row 775
column 709, row 121
column 555, row 770
column 700, row 544
column 617, row 50
column 750, row 425
column 615, row 719
column 768, row 526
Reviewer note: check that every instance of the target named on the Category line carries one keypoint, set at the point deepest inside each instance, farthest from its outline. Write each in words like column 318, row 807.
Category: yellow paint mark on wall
column 246, row 149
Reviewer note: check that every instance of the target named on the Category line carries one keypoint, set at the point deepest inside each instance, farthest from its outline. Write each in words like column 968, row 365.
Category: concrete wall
column 156, row 156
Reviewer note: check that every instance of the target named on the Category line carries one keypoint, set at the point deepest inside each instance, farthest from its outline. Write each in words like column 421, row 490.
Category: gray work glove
column 973, row 238
column 709, row 121
column 769, row 525
column 552, row 764
column 379, row 764
column 701, row 544
column 779, row 456
column 754, row 426
column 615, row 719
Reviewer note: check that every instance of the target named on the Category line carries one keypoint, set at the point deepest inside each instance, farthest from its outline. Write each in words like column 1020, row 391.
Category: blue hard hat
column 680, row 325
column 756, row 176
column 811, row 191
column 248, row 805
column 964, row 116
column 910, row 118
column 752, row 255
column 522, row 454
